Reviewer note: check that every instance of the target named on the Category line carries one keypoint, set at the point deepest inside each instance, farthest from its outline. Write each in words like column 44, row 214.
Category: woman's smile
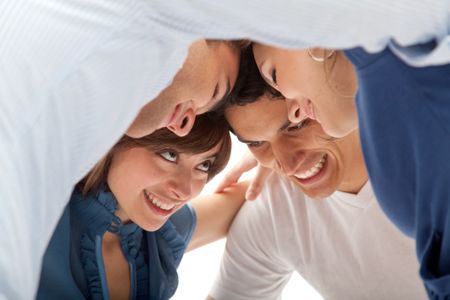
column 157, row 205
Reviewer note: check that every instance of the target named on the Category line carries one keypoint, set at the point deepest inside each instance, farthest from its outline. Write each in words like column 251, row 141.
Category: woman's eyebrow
column 260, row 67
column 228, row 89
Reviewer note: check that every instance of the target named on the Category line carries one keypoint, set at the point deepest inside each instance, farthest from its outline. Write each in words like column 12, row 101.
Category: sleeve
column 409, row 178
column 185, row 220
column 251, row 266
column 430, row 53
column 73, row 75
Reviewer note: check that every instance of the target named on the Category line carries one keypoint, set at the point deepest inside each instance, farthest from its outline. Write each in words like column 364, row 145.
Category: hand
column 247, row 163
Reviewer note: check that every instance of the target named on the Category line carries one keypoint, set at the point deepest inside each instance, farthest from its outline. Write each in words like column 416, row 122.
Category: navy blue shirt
column 404, row 121
column 73, row 263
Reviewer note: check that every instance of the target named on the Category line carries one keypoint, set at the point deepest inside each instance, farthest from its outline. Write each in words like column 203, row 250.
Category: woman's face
column 317, row 90
column 151, row 186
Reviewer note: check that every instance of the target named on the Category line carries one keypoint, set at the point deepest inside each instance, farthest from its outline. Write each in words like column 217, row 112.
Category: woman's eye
column 297, row 126
column 168, row 155
column 205, row 166
column 273, row 76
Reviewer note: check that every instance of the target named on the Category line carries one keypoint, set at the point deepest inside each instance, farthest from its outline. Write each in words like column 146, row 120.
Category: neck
column 110, row 241
column 120, row 213
column 354, row 186
column 355, row 172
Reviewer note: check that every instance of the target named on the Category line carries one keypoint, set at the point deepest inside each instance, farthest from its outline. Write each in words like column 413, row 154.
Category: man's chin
column 139, row 130
column 149, row 119
column 132, row 133
column 314, row 193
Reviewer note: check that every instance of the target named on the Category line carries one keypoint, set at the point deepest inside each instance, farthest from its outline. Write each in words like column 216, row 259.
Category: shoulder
column 361, row 59
column 58, row 278
column 278, row 196
column 174, row 236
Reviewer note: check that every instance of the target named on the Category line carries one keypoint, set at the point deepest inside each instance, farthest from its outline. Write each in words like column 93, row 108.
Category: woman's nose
column 299, row 110
column 180, row 188
column 294, row 111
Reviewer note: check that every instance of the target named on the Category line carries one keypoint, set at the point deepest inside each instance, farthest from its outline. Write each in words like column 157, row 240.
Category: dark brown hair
column 207, row 132
column 249, row 86
column 238, row 44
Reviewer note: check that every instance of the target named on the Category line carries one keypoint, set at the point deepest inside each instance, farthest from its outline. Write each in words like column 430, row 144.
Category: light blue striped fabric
column 373, row 24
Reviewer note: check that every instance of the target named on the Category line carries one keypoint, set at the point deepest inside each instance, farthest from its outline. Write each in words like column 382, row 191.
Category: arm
column 63, row 67
column 215, row 213
column 252, row 266
column 247, row 163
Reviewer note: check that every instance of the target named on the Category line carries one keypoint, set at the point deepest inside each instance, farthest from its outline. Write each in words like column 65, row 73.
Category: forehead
column 265, row 52
column 257, row 120
column 260, row 50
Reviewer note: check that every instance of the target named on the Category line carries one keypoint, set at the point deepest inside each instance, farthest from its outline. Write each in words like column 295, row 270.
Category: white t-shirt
column 343, row 245
column 74, row 74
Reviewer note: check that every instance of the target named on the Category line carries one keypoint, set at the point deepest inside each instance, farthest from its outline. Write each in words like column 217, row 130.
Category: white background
column 199, row 267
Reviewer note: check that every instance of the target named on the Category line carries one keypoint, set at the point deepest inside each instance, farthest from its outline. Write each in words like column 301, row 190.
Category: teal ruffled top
column 73, row 264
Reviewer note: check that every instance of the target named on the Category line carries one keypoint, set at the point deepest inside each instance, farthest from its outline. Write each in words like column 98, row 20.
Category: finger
column 228, row 180
column 233, row 175
column 257, row 183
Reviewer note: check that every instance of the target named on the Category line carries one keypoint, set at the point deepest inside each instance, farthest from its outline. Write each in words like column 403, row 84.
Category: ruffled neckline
column 93, row 216
column 163, row 249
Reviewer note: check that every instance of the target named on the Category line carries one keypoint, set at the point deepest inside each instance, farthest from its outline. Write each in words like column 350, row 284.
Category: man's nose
column 184, row 124
column 299, row 110
column 286, row 158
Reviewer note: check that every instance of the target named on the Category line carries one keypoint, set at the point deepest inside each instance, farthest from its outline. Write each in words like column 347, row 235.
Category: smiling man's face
column 303, row 152
column 207, row 75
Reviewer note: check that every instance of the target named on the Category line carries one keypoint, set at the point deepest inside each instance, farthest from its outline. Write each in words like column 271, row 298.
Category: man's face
column 303, row 152
column 207, row 76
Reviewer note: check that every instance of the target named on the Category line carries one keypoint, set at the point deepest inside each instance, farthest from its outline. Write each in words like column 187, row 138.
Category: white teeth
column 312, row 171
column 158, row 203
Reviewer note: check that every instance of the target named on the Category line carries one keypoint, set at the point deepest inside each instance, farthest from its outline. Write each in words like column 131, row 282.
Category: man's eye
column 169, row 155
column 216, row 92
column 297, row 126
column 205, row 166
column 254, row 144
